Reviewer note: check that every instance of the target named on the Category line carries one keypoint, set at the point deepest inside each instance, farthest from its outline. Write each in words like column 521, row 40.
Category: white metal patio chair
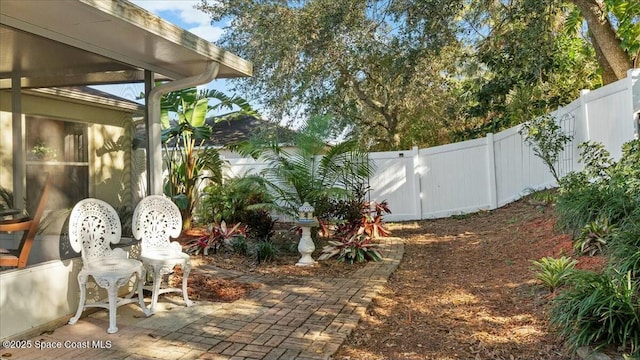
column 156, row 219
column 93, row 226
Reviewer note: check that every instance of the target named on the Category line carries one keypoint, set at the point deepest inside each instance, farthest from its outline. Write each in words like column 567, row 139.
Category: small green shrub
column 544, row 197
column 602, row 190
column 599, row 310
column 266, row 251
column 239, row 245
column 234, row 201
column 554, row 273
column 547, row 139
column 624, row 246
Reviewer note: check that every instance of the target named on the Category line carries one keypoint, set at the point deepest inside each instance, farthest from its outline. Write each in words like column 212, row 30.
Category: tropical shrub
column 236, row 200
column 372, row 223
column 218, row 235
column 355, row 239
column 603, row 201
column 311, row 172
column 599, row 309
column 345, row 213
column 187, row 161
column 603, row 190
column 260, row 224
column 356, row 248
column 355, row 212
column 593, row 237
column 624, row 246
column 554, row 273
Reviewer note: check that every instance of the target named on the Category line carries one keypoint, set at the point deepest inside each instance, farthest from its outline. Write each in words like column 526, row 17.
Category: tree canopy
column 395, row 74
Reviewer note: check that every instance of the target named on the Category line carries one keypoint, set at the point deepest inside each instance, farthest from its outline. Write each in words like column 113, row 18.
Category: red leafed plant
column 219, row 234
column 356, row 248
column 372, row 221
column 355, row 239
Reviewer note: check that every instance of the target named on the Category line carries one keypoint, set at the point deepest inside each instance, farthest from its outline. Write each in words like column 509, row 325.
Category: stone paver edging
column 308, row 319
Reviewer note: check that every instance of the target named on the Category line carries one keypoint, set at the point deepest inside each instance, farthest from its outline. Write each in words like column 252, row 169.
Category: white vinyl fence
column 493, row 171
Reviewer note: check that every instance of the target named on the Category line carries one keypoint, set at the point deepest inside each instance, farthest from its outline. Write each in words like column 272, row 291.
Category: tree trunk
column 608, row 74
column 612, row 58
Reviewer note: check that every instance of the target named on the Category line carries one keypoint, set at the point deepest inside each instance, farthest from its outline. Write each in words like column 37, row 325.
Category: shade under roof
column 89, row 42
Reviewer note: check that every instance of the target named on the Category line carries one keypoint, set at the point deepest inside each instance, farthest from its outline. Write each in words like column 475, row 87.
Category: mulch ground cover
column 464, row 289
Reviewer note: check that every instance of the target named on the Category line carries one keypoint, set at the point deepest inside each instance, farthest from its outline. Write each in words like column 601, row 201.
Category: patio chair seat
column 164, row 256
column 93, row 226
column 156, row 219
column 113, row 267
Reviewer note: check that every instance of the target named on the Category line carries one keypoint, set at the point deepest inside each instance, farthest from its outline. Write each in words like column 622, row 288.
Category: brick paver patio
column 308, row 318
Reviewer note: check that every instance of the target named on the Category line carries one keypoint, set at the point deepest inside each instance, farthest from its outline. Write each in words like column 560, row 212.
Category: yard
column 464, row 289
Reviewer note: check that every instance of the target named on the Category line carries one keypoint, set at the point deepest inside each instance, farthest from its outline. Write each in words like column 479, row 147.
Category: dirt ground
column 464, row 289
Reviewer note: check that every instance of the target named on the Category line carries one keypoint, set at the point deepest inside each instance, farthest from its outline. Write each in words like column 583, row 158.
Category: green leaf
column 198, row 116
column 180, row 200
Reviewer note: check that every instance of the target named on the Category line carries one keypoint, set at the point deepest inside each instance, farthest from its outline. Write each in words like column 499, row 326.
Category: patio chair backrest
column 156, row 219
column 93, row 226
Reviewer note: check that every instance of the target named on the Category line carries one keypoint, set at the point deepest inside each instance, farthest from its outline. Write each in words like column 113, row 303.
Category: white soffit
column 73, row 42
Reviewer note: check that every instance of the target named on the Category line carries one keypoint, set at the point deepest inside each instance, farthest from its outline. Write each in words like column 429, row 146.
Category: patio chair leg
column 186, row 269
column 82, row 282
column 157, row 280
column 133, row 288
column 113, row 305
column 139, row 281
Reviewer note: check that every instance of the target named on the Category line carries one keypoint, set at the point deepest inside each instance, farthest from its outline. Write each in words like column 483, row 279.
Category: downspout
column 154, row 157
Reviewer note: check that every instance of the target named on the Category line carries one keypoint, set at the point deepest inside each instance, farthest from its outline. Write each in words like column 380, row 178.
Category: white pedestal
column 306, row 245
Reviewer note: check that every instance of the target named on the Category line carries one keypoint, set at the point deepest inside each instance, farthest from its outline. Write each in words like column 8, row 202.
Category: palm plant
column 312, row 171
column 187, row 160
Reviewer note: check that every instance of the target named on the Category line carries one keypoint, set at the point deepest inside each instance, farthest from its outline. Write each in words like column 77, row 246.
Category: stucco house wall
column 107, row 163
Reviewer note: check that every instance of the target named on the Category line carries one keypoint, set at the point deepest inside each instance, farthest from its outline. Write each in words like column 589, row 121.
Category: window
column 60, row 149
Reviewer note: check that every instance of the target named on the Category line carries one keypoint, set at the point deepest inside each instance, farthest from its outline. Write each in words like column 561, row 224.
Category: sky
column 183, row 14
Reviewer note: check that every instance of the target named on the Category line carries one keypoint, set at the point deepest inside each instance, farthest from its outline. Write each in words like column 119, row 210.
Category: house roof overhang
column 50, row 43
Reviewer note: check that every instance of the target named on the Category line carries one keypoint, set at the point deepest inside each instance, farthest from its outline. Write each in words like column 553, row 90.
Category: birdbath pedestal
column 306, row 245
